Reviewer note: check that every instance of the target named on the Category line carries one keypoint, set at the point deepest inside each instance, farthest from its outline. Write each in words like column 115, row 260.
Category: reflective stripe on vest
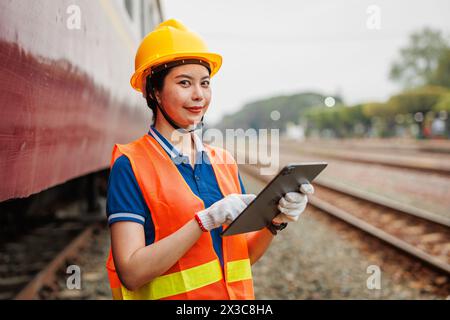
column 239, row 270
column 189, row 279
column 178, row 282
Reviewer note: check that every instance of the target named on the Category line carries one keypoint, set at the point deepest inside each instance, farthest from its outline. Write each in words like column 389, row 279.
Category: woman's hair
column 155, row 81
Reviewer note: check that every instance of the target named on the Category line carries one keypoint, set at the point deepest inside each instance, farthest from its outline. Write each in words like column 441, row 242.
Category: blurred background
column 362, row 85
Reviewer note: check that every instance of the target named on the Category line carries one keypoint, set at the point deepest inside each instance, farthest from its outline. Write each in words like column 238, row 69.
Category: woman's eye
column 205, row 83
column 184, row 82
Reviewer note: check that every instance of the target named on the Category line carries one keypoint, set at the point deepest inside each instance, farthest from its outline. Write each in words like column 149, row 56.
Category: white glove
column 293, row 204
column 224, row 211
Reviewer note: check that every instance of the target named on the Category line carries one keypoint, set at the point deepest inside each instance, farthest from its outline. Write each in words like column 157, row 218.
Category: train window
column 155, row 14
column 144, row 7
column 143, row 15
column 150, row 15
column 129, row 7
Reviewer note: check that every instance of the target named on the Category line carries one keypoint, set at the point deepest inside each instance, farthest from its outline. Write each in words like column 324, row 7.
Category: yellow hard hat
column 170, row 41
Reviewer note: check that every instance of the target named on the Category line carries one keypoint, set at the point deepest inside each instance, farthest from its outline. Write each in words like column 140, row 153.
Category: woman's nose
column 197, row 94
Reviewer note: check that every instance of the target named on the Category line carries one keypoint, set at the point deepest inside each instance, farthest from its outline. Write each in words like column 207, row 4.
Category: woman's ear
column 158, row 97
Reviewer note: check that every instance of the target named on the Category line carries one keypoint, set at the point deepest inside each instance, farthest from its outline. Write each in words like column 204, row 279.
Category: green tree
column 441, row 75
column 418, row 100
column 421, row 99
column 257, row 114
column 344, row 121
column 377, row 109
column 419, row 60
column 443, row 104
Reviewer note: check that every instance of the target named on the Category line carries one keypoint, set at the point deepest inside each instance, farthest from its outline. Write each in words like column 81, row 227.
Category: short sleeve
column 124, row 200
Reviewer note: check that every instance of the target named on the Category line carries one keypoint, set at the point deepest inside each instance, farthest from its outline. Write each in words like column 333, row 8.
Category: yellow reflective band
column 176, row 283
column 116, row 294
column 239, row 270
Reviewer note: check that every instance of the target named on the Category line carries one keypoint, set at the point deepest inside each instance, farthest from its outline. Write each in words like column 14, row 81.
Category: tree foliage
column 419, row 60
column 443, row 104
column 257, row 114
column 417, row 100
column 441, row 76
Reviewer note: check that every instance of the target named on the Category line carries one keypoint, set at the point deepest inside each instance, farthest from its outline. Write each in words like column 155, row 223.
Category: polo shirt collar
column 169, row 148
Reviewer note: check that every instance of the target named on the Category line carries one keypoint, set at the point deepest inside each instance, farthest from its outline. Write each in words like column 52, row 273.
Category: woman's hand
column 293, row 204
column 224, row 211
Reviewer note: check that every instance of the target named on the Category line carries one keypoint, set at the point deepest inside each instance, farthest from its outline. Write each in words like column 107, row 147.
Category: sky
column 282, row 47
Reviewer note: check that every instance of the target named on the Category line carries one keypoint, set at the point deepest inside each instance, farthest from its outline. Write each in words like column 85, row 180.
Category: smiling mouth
column 195, row 109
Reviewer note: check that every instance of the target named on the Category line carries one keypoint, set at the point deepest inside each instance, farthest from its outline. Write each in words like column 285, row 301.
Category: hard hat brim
column 214, row 59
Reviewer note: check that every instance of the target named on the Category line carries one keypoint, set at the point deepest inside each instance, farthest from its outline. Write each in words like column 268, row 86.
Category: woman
column 169, row 195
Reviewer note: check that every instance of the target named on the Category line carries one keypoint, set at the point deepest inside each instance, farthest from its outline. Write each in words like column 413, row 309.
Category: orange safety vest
column 198, row 274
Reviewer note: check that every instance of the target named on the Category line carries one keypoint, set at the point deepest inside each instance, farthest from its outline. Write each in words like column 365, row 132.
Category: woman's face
column 186, row 94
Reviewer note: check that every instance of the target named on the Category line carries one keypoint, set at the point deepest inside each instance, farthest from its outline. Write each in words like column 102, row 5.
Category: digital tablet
column 261, row 211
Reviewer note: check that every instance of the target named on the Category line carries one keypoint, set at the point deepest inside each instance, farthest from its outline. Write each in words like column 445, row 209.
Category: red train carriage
column 65, row 97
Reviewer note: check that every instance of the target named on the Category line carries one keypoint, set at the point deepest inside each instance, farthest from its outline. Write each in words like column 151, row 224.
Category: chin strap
column 175, row 125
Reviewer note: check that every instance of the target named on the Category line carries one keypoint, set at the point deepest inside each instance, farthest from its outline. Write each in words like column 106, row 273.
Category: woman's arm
column 258, row 242
column 138, row 264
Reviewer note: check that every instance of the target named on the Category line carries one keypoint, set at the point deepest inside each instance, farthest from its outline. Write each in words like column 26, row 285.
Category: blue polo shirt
column 125, row 201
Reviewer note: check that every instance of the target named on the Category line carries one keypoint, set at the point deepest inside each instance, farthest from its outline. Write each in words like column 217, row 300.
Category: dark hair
column 155, row 81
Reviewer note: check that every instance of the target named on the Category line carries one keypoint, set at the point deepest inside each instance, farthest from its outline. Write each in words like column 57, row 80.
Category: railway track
column 382, row 145
column 423, row 164
column 423, row 236
column 32, row 262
